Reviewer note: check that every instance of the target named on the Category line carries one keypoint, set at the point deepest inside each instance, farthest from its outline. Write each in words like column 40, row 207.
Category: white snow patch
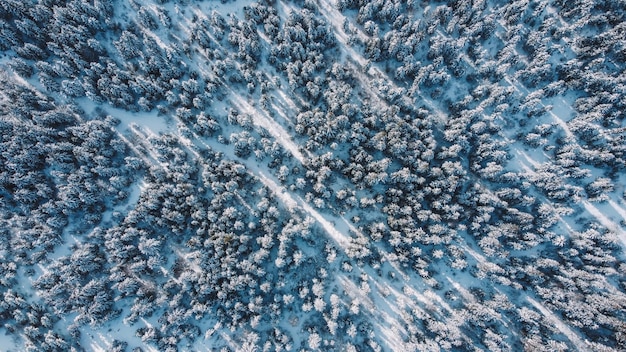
column 336, row 19
column 619, row 209
column 276, row 130
column 157, row 39
column 189, row 260
column 97, row 341
column 225, row 8
column 467, row 296
column 8, row 342
column 530, row 160
column 132, row 199
column 288, row 101
column 341, row 239
column 477, row 256
column 279, row 191
column 560, row 325
column 560, row 112
column 606, row 221
column 148, row 120
column 20, row 80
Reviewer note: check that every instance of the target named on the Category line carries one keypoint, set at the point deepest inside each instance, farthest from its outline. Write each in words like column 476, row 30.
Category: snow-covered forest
column 312, row 175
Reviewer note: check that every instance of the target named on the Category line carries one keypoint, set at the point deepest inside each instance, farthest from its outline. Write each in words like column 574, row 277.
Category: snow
column 99, row 341
column 150, row 120
column 289, row 202
column 336, row 19
column 618, row 208
column 560, row 112
column 157, row 39
column 529, row 159
column 292, row 203
column 28, row 84
column 7, row 342
column 572, row 336
column 383, row 312
column 467, row 296
column 132, row 199
column 289, row 104
column 277, row 131
column 224, row 8
column 341, row 239
column 606, row 221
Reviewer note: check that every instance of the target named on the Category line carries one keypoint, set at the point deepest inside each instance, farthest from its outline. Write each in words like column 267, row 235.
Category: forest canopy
column 334, row 175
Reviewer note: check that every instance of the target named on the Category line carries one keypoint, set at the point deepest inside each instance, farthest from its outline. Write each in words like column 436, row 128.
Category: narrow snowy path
column 606, row 221
column 277, row 131
column 341, row 239
column 571, row 335
column 618, row 208
column 331, row 13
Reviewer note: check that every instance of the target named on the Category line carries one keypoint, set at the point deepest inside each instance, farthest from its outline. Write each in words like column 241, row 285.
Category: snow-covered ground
column 574, row 338
column 8, row 342
column 606, row 216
